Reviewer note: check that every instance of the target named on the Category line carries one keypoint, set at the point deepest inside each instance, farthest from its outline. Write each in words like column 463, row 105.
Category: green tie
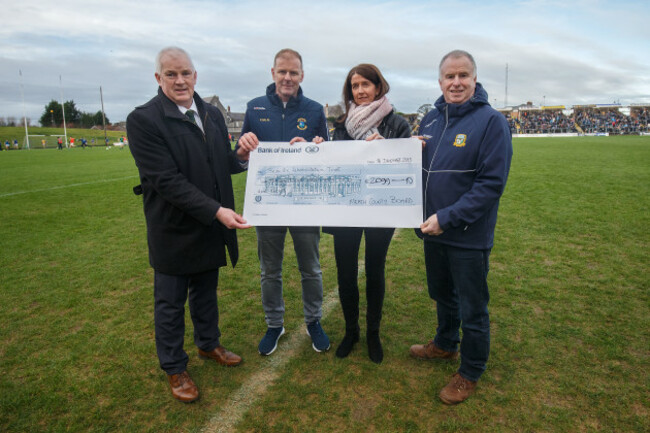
column 190, row 115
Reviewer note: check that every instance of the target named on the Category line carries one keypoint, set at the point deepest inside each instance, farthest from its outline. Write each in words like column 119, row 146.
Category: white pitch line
column 66, row 186
column 226, row 418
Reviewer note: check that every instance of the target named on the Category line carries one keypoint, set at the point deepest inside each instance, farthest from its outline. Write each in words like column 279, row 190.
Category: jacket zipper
column 426, row 187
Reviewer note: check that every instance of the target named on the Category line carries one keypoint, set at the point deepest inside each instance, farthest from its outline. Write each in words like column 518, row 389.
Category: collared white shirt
column 197, row 117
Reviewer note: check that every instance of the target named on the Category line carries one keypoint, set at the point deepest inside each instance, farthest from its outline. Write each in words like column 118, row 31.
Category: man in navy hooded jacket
column 282, row 115
column 466, row 160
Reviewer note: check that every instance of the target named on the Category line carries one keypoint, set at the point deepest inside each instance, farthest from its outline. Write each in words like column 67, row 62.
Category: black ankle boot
column 349, row 340
column 375, row 351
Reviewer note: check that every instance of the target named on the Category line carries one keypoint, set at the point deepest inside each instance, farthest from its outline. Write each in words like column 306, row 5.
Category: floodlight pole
column 65, row 131
column 506, row 100
column 101, row 96
column 22, row 94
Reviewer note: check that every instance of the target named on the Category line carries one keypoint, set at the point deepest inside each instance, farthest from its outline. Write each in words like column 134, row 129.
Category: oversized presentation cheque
column 336, row 183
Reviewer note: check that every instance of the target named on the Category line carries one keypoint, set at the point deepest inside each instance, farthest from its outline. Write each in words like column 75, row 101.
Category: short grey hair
column 456, row 54
column 171, row 50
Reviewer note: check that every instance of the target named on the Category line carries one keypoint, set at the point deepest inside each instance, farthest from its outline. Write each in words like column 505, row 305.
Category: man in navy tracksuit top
column 285, row 115
column 466, row 160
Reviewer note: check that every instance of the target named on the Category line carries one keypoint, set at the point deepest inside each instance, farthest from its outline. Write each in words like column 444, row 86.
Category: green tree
column 99, row 119
column 53, row 115
column 86, row 120
column 72, row 115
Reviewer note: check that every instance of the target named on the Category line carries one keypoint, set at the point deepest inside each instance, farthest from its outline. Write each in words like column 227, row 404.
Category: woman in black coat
column 368, row 116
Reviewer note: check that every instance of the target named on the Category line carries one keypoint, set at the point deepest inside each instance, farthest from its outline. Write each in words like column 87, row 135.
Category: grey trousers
column 270, row 249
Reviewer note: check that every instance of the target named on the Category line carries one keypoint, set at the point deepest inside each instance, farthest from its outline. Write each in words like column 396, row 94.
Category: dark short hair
column 455, row 54
column 287, row 52
column 369, row 72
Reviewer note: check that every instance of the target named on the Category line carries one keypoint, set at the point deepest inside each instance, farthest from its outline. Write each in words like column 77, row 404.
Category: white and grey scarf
column 363, row 120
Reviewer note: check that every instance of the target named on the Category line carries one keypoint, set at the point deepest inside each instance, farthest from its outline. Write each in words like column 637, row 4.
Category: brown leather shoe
column 222, row 356
column 431, row 351
column 183, row 388
column 457, row 390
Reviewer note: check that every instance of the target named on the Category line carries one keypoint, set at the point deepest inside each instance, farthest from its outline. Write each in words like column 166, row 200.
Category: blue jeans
column 270, row 249
column 457, row 281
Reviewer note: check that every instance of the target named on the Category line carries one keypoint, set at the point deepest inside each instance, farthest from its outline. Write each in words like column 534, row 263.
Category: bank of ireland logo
column 302, row 124
column 460, row 140
column 312, row 149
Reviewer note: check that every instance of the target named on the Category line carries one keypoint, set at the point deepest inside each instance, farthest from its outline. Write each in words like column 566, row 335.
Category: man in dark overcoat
column 181, row 148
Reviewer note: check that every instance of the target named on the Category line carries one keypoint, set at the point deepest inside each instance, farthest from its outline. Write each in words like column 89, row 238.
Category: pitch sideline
column 252, row 390
column 9, row 194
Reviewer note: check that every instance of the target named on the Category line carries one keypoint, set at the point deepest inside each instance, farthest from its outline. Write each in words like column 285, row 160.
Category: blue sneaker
column 270, row 340
column 320, row 340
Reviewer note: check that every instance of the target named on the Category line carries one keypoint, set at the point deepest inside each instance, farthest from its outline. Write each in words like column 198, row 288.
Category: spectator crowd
column 588, row 120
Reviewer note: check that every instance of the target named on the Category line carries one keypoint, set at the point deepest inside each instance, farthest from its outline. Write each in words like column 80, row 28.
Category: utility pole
column 101, row 96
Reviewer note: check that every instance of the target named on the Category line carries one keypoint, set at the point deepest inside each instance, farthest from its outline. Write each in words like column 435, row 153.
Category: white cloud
column 561, row 52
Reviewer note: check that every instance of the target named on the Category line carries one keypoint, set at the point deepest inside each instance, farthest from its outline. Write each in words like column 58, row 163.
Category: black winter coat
column 185, row 179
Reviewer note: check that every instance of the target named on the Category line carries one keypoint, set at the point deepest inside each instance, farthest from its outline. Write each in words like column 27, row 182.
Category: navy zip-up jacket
column 465, row 166
column 267, row 117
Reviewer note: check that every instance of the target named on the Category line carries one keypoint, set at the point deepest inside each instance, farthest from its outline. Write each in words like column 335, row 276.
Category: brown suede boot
column 431, row 351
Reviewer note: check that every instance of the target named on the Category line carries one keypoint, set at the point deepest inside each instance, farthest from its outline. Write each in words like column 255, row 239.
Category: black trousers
column 346, row 250
column 170, row 294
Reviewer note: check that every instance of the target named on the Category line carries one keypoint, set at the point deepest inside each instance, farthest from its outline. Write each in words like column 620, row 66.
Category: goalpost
column 42, row 141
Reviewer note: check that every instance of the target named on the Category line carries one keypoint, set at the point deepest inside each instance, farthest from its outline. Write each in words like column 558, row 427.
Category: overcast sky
column 557, row 52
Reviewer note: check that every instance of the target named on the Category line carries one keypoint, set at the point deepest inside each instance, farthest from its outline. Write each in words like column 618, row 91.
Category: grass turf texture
column 569, row 309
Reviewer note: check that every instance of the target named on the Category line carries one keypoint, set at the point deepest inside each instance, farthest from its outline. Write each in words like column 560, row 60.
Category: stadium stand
column 610, row 119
